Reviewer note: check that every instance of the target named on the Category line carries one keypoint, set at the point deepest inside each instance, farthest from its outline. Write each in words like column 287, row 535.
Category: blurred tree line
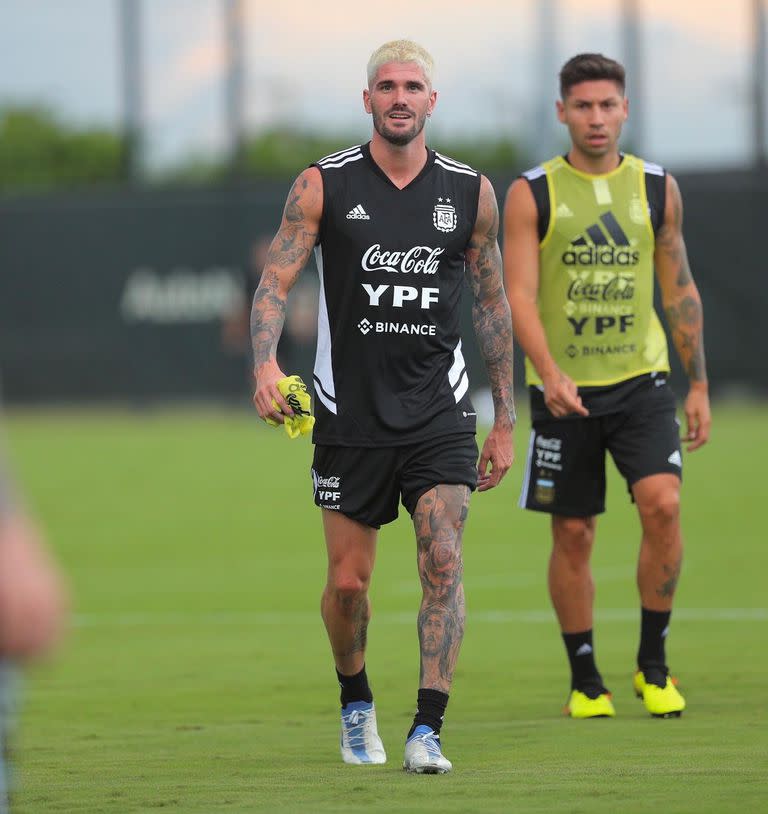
column 40, row 152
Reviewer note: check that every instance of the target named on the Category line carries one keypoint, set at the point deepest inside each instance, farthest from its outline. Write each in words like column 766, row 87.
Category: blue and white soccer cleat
column 423, row 754
column 360, row 741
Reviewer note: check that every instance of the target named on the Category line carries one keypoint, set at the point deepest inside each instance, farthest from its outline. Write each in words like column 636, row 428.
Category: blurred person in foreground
column 583, row 234
column 31, row 605
column 396, row 228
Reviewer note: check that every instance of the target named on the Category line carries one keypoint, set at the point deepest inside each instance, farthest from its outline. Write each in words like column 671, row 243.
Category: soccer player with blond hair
column 397, row 229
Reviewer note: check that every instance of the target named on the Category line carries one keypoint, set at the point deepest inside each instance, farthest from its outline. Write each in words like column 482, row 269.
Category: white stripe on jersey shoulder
column 340, row 154
column 534, row 173
column 653, row 169
column 453, row 161
column 340, row 162
column 452, row 164
column 451, row 168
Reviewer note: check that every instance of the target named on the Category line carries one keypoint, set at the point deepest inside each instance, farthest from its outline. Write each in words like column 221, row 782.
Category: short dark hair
column 589, row 67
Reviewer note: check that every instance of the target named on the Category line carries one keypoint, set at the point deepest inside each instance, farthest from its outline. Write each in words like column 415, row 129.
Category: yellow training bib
column 596, row 276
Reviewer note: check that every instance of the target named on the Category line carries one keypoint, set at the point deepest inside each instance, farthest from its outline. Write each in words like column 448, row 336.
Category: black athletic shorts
column 367, row 483
column 565, row 469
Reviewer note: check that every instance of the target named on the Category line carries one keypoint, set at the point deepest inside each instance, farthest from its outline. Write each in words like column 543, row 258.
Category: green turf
column 197, row 677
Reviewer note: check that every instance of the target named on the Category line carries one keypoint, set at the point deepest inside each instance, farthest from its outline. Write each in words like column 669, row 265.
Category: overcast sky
column 306, row 66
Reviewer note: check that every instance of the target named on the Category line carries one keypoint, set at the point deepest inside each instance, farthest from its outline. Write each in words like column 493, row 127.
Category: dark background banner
column 123, row 296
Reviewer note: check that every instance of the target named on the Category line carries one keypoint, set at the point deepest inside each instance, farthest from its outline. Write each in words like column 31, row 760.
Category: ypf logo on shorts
column 549, row 453
column 327, row 490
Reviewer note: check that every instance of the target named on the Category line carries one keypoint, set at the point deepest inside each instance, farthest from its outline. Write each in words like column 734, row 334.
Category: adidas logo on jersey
column 563, row 211
column 358, row 213
column 603, row 244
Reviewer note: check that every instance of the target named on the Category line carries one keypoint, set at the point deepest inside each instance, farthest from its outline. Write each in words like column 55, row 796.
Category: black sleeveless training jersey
column 389, row 367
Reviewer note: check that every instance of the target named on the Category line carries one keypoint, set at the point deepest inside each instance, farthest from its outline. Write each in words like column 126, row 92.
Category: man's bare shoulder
column 520, row 203
column 310, row 180
column 487, row 208
column 305, row 200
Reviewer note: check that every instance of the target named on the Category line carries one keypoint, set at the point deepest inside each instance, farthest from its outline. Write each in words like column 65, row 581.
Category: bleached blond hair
column 401, row 51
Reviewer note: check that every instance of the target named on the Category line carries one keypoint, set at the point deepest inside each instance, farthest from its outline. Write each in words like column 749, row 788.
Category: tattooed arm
column 682, row 306
column 521, row 280
column 287, row 256
column 493, row 328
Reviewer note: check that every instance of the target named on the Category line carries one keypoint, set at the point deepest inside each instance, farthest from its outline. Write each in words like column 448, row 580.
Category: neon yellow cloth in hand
column 294, row 391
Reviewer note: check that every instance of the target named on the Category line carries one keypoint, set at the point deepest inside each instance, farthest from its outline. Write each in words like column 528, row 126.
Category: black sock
column 581, row 655
column 651, row 656
column 430, row 708
column 354, row 688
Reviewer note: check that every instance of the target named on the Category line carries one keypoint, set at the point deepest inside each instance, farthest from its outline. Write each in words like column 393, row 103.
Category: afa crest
column 636, row 210
column 444, row 216
column 544, row 491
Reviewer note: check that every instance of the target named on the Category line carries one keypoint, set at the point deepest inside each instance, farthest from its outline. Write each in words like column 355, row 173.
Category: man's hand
column 498, row 451
column 697, row 416
column 266, row 392
column 561, row 395
column 294, row 391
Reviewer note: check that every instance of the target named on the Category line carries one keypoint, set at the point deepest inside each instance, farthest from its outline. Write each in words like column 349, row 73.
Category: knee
column 347, row 588
column 573, row 538
column 660, row 512
column 441, row 567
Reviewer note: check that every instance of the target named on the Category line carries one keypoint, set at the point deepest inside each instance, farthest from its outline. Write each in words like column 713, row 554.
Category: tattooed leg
column 345, row 606
column 439, row 523
column 661, row 551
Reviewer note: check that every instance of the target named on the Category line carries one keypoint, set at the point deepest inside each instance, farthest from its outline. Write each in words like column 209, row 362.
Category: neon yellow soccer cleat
column 581, row 705
column 661, row 702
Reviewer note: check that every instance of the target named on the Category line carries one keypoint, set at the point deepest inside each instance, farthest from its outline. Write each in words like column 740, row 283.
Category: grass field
column 197, row 676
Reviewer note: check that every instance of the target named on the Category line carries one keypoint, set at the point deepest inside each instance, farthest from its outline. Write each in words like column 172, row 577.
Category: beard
column 398, row 137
